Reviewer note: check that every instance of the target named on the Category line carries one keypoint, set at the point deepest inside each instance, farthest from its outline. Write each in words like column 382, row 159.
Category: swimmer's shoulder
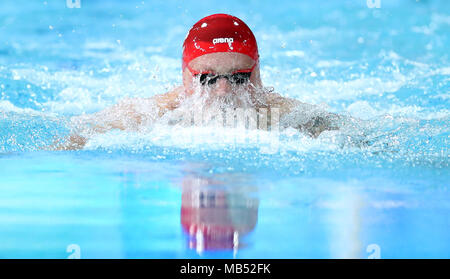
column 163, row 102
column 138, row 107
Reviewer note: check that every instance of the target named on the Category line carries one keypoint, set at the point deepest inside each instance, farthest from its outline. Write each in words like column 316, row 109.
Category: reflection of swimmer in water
column 216, row 218
column 220, row 66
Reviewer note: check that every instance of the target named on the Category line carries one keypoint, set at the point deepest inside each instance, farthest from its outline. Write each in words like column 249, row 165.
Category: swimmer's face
column 221, row 63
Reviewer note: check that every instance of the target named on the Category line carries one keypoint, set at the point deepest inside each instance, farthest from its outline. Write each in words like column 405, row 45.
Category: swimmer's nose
column 223, row 86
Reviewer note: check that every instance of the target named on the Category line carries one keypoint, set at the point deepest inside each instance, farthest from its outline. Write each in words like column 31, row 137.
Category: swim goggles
column 238, row 77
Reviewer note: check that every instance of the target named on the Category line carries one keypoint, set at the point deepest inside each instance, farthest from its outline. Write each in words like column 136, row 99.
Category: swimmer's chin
column 222, row 94
column 213, row 93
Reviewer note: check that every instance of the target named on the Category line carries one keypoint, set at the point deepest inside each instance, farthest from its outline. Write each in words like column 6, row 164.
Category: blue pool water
column 136, row 194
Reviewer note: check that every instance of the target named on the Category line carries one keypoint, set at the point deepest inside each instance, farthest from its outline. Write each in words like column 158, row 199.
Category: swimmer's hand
column 72, row 142
column 308, row 119
column 76, row 141
column 316, row 126
column 78, row 138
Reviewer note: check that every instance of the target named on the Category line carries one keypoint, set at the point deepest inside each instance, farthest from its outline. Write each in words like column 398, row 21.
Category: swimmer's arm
column 122, row 116
column 72, row 142
column 316, row 125
column 115, row 117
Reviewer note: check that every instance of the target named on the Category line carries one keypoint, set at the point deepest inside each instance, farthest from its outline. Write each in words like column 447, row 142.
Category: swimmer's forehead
column 222, row 62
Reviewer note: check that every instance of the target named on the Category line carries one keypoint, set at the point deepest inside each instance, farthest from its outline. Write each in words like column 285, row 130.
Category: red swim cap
column 219, row 33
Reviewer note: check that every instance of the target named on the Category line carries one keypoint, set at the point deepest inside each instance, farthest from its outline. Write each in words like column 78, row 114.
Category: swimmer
column 220, row 65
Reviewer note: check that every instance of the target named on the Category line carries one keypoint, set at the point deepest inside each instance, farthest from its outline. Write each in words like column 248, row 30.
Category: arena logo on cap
column 223, row 40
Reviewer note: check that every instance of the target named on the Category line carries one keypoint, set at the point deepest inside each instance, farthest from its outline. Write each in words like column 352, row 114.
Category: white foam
column 333, row 63
column 7, row 106
column 295, row 53
column 212, row 138
column 362, row 110
column 437, row 21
